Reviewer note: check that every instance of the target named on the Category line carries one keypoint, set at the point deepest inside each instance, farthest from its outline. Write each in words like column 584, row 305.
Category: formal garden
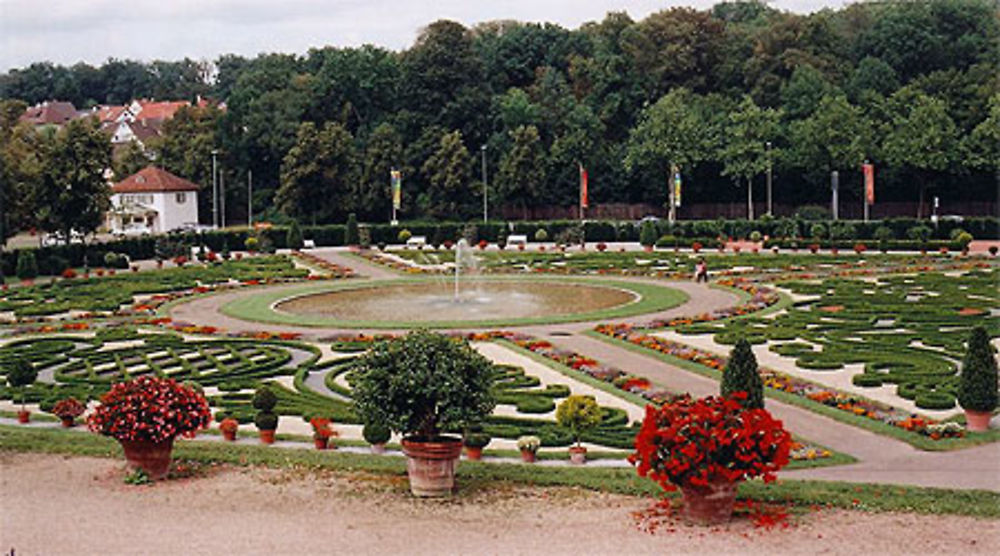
column 306, row 354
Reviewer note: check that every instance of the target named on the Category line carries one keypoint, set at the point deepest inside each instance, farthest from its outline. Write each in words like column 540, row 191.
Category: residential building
column 152, row 201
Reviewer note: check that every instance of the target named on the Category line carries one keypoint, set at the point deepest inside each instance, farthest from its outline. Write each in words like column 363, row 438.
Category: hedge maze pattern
column 908, row 330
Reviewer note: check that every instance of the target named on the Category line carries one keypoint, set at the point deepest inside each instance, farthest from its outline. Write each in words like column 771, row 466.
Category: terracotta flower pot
column 377, row 448
column 577, row 455
column 266, row 437
column 151, row 457
column 23, row 416
column 321, row 443
column 977, row 421
column 474, row 454
column 68, row 421
column 709, row 505
column 431, row 465
column 229, row 436
column 527, row 456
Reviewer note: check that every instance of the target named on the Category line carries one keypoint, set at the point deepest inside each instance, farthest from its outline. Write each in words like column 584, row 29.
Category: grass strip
column 479, row 475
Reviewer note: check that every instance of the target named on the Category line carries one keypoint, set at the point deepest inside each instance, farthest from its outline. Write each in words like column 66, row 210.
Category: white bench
column 308, row 244
column 417, row 241
column 517, row 240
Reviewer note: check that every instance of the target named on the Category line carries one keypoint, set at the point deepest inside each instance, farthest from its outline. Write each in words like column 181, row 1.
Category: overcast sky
column 68, row 31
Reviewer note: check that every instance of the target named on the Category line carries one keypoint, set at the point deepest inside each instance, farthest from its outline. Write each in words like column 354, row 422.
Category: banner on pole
column 397, row 188
column 869, row 170
column 676, row 185
column 584, row 201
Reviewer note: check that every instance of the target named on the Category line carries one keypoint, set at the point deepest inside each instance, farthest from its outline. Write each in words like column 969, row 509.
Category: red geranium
column 691, row 443
column 150, row 409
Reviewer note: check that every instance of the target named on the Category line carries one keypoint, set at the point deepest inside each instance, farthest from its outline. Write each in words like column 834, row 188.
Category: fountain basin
column 482, row 302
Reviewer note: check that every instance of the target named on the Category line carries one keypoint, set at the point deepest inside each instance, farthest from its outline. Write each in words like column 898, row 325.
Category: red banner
column 583, row 187
column 869, row 170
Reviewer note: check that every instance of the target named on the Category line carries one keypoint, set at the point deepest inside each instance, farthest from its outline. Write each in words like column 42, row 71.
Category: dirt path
column 60, row 505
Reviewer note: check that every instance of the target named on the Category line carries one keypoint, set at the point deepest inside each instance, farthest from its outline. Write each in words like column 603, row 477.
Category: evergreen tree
column 27, row 267
column 293, row 238
column 351, row 233
column 741, row 375
column 977, row 389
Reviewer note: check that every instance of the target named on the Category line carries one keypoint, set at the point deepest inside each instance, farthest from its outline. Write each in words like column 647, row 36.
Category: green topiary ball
column 264, row 399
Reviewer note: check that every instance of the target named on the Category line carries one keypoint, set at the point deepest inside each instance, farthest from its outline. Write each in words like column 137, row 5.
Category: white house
column 152, row 201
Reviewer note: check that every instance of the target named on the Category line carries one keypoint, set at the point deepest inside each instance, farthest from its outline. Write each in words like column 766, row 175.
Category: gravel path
column 59, row 505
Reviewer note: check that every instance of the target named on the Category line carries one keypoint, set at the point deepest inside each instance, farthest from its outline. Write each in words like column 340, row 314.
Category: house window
column 181, row 197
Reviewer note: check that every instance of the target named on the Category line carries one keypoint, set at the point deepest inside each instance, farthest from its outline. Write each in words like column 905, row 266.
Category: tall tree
column 982, row 146
column 672, row 132
column 318, row 174
column 744, row 152
column 383, row 153
column 835, row 137
column 186, row 147
column 447, row 171
column 522, row 168
column 921, row 138
column 74, row 194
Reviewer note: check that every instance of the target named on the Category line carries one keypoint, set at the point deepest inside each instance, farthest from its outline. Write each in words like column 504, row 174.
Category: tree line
column 723, row 94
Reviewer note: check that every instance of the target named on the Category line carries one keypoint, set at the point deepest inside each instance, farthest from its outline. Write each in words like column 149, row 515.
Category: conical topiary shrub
column 351, row 234
column 741, row 375
column 293, row 238
column 977, row 388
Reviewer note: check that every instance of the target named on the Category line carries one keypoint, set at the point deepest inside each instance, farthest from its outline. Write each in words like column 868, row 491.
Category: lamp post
column 769, row 206
column 485, row 190
column 215, row 192
column 249, row 198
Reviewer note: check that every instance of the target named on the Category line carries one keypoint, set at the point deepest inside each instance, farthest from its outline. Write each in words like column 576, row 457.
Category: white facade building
column 152, row 201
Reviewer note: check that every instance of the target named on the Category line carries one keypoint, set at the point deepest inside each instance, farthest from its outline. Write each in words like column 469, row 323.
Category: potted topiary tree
column 741, row 375
column 977, row 387
column 376, row 434
column 647, row 235
column 422, row 385
column 578, row 414
column 266, row 420
column 145, row 415
column 474, row 440
column 20, row 375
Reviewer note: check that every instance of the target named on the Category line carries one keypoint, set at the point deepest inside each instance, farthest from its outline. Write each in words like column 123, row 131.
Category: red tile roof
column 49, row 112
column 153, row 180
column 160, row 110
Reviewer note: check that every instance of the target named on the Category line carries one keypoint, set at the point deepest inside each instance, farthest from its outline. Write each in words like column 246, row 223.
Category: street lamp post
column 215, row 191
column 249, row 198
column 769, row 206
column 485, row 190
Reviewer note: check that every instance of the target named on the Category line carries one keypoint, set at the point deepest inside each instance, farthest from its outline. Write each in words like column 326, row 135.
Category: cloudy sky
column 68, row 31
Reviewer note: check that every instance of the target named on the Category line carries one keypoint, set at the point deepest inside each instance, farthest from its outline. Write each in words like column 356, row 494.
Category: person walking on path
column 701, row 271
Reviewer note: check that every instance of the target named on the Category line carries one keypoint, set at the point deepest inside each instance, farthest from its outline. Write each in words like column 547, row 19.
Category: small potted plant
column 145, row 415
column 977, row 387
column 706, row 447
column 474, row 440
column 376, row 434
column 528, row 445
column 20, row 375
column 266, row 420
column 68, row 410
column 578, row 414
column 322, row 432
column 229, row 427
column 421, row 385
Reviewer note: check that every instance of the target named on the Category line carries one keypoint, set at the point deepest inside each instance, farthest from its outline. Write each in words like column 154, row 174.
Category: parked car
column 59, row 238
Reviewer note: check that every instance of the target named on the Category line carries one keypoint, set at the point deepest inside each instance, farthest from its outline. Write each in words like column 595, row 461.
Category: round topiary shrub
column 579, row 414
column 423, row 384
column 266, row 421
column 20, row 375
column 541, row 235
column 251, row 244
column 264, row 399
column 376, row 433
column 404, row 235
column 977, row 387
column 741, row 375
